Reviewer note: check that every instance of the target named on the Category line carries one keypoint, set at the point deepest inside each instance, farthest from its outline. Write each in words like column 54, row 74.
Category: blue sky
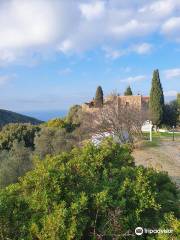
column 54, row 54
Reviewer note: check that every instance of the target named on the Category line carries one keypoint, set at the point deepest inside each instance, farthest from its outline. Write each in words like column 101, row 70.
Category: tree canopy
column 128, row 91
column 99, row 97
column 156, row 102
column 75, row 114
column 17, row 132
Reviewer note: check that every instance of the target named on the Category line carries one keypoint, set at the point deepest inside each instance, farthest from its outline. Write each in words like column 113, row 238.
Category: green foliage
column 99, row 97
column 171, row 114
column 178, row 106
column 170, row 222
column 128, row 91
column 7, row 117
column 88, row 192
column 17, row 132
column 178, row 99
column 60, row 123
column 156, row 103
column 74, row 114
column 57, row 122
column 52, row 140
column 14, row 163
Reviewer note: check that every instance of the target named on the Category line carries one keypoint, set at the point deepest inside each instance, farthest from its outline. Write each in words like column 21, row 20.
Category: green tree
column 128, row 91
column 86, row 193
column 171, row 114
column 178, row 99
column 156, row 102
column 75, row 114
column 17, row 132
column 52, row 140
column 99, row 97
column 178, row 106
column 15, row 163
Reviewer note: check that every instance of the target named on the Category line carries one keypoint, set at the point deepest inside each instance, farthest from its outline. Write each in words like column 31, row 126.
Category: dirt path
column 165, row 157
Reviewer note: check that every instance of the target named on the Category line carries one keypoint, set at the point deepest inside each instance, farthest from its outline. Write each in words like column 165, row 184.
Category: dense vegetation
column 12, row 117
column 93, row 192
column 19, row 142
column 171, row 114
column 16, row 148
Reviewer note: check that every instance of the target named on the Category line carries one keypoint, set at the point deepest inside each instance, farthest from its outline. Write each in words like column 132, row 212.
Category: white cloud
column 66, row 46
column 113, row 53
column 160, row 9
column 143, row 48
column 171, row 28
column 92, row 10
column 34, row 26
column 132, row 79
column 171, row 93
column 75, row 26
column 26, row 23
column 172, row 73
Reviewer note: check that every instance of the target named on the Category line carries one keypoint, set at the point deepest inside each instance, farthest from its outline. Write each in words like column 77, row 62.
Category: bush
column 60, row 123
column 14, row 163
column 75, row 114
column 17, row 132
column 171, row 114
column 53, row 141
column 88, row 193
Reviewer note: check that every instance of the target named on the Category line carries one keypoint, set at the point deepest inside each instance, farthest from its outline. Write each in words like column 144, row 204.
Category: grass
column 162, row 135
column 155, row 143
column 166, row 134
column 157, row 137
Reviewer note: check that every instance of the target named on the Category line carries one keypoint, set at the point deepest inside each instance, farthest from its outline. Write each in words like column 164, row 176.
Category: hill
column 12, row 117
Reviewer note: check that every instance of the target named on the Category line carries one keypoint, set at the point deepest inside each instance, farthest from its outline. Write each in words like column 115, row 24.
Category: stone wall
column 139, row 102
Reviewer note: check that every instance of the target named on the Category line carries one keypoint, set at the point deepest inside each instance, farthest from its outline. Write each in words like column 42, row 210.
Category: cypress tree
column 99, row 97
column 128, row 91
column 156, row 102
column 178, row 100
column 178, row 106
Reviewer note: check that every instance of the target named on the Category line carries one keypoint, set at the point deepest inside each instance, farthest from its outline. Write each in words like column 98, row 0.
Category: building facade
column 138, row 102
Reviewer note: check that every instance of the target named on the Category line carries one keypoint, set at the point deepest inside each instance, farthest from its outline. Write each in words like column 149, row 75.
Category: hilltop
column 12, row 117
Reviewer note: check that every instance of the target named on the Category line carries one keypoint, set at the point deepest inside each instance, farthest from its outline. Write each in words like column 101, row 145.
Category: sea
column 46, row 115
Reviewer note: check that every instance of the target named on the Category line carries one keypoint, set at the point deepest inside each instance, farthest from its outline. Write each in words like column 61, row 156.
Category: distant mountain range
column 12, row 117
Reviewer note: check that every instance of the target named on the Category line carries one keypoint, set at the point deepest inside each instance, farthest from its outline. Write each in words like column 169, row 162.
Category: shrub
column 88, row 193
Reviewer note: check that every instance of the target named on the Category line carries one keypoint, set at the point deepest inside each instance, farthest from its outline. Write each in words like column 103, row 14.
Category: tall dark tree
column 99, row 97
column 156, row 103
column 171, row 113
column 178, row 106
column 128, row 91
column 178, row 99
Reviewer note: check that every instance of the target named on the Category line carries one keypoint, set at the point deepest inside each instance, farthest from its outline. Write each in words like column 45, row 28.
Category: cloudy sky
column 54, row 53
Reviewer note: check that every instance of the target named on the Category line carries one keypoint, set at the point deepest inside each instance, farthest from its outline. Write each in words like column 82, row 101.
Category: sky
column 54, row 53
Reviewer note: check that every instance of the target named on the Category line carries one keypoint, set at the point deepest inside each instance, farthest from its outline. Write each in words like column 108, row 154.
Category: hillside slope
column 12, row 117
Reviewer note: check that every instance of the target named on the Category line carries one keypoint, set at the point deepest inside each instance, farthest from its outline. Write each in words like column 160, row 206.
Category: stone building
column 139, row 102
